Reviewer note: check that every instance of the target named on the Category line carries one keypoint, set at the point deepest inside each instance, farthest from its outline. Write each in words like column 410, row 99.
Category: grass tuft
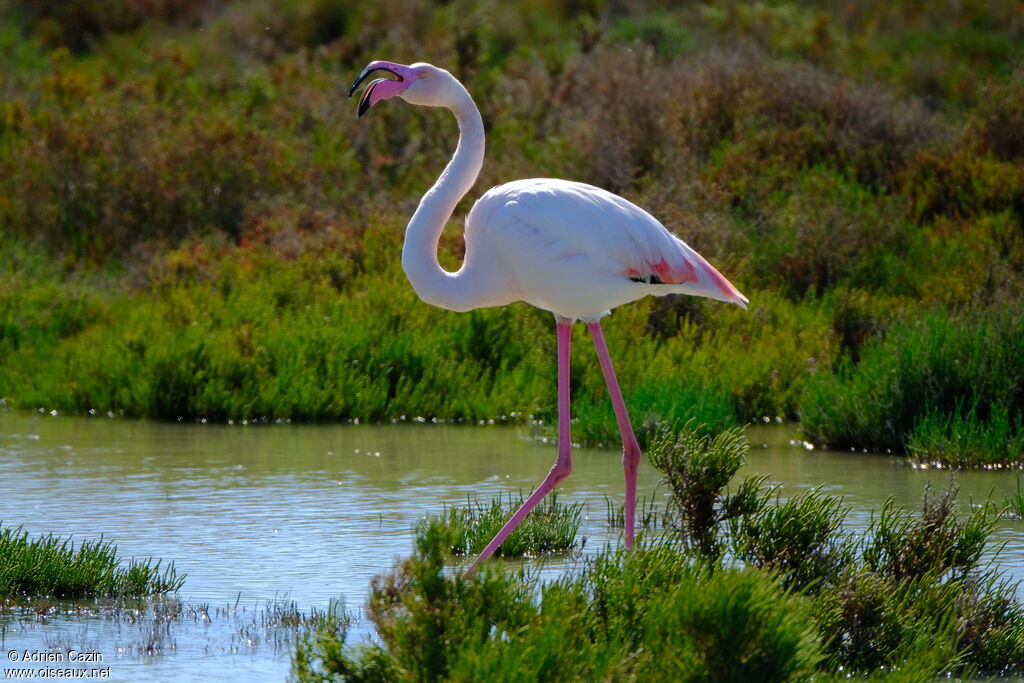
column 800, row 538
column 936, row 543
column 551, row 526
column 53, row 567
column 1015, row 502
column 648, row 514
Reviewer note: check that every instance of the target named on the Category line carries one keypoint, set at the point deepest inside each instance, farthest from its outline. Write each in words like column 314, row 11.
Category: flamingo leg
column 563, row 464
column 630, row 448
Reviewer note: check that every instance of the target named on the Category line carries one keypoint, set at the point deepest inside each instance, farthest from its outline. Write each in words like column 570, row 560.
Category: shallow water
column 310, row 513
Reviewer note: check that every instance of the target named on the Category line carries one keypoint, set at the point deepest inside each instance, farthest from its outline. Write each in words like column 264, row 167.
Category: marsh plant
column 697, row 468
column 551, row 527
column 1015, row 502
column 650, row 513
column 642, row 615
column 946, row 388
column 802, row 539
column 53, row 567
column 771, row 589
column 911, row 586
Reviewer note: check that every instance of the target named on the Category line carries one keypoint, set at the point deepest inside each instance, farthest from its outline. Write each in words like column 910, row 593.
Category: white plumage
column 579, row 251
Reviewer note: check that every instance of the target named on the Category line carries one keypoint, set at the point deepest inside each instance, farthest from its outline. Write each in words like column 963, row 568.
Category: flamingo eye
column 422, row 75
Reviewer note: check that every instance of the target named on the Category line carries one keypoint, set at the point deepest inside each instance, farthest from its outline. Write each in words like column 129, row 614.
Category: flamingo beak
column 381, row 88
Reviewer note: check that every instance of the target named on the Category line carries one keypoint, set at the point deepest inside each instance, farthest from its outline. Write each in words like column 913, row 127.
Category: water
column 311, row 513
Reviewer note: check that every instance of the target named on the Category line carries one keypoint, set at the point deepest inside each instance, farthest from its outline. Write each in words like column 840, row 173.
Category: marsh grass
column 646, row 615
column 551, row 526
column 1015, row 503
column 266, row 339
column 960, row 439
column 782, row 593
column 49, row 566
column 912, row 594
column 946, row 388
column 649, row 514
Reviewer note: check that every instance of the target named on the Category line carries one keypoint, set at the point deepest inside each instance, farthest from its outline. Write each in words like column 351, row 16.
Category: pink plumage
column 570, row 248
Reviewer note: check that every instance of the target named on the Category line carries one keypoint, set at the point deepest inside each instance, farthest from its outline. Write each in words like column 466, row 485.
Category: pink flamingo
column 566, row 247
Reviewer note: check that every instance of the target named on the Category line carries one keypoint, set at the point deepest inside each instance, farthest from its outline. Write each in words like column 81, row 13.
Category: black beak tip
column 364, row 105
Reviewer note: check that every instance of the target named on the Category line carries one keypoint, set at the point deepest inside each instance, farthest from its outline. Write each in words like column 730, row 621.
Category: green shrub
column 937, row 543
column 697, row 467
column 638, row 615
column 911, row 596
column 966, row 365
column 660, row 610
column 800, row 538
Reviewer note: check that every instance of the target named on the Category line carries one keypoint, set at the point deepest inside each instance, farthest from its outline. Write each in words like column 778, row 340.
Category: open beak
column 381, row 88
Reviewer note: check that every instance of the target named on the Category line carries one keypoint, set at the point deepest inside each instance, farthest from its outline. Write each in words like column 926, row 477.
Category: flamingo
column 566, row 247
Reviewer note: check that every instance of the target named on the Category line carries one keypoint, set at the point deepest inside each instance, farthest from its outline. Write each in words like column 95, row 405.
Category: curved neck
column 419, row 255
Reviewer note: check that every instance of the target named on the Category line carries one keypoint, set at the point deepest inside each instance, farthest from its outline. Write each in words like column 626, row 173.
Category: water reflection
column 314, row 512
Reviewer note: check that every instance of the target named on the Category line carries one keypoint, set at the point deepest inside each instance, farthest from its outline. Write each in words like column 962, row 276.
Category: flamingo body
column 570, row 248
column 579, row 251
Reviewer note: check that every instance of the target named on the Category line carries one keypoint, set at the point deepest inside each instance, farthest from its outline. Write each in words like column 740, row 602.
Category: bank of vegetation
column 193, row 224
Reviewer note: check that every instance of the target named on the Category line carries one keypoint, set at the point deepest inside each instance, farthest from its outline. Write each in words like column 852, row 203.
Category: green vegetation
column 193, row 224
column 1015, row 503
column 550, row 527
column 787, row 595
column 643, row 616
column 697, row 468
column 649, row 514
column 946, row 387
column 52, row 567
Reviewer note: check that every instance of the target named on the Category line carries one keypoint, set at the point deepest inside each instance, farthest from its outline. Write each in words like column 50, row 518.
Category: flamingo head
column 418, row 83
